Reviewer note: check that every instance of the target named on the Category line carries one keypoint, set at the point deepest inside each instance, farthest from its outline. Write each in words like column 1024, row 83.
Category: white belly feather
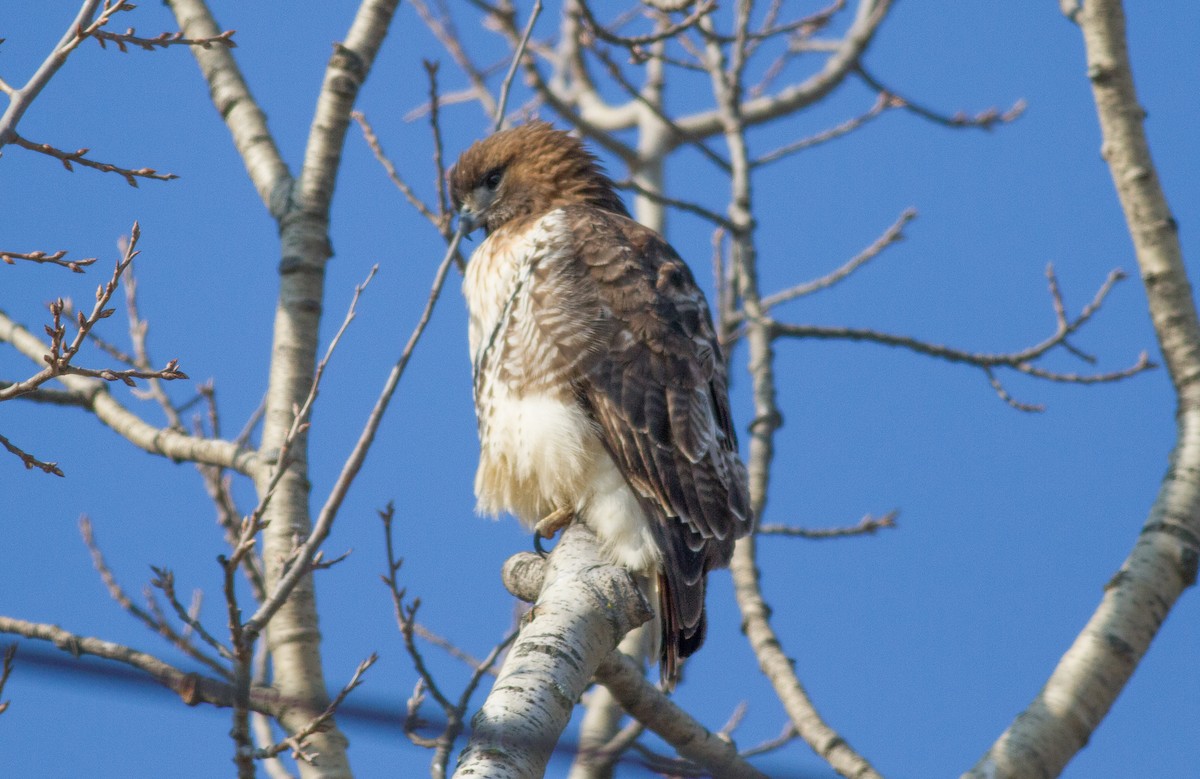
column 539, row 450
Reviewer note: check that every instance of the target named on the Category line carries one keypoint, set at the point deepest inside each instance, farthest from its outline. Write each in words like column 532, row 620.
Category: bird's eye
column 492, row 181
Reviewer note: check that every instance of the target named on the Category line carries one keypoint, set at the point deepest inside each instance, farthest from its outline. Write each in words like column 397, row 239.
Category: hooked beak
column 468, row 221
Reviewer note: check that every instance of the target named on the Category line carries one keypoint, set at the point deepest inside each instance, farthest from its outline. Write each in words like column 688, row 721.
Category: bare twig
column 156, row 624
column 786, row 736
column 29, row 460
column 297, row 742
column 69, row 159
column 193, row 688
column 61, row 353
column 455, row 712
column 10, row 652
column 443, row 29
column 892, row 235
column 42, row 258
column 439, row 166
column 868, row 525
column 984, row 120
column 883, row 103
column 498, row 119
column 390, row 168
column 635, row 42
column 161, row 41
column 682, row 205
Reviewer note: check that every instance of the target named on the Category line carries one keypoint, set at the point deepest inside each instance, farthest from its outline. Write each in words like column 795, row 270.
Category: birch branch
column 236, row 106
column 583, row 611
column 93, row 395
column 1163, row 561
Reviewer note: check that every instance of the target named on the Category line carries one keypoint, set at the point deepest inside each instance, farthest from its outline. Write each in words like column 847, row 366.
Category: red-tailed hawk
column 600, row 388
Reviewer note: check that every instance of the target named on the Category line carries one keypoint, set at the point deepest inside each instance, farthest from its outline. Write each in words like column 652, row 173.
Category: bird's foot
column 549, row 526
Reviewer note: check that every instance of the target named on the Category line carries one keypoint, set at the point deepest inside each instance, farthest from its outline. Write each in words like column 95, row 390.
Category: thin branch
column 69, row 159
column 10, row 652
column 164, row 580
column 893, row 234
column 58, row 360
column 390, row 168
column 866, row 526
column 683, row 205
column 637, row 41
column 984, row 120
column 1019, row 361
column 456, row 712
column 21, row 99
column 297, row 741
column 303, row 556
column 193, row 688
column 161, row 41
column 443, row 29
column 42, row 258
column 439, row 165
column 785, row 737
column 155, row 624
column 29, row 460
column 677, row 134
column 650, row 706
column 138, row 330
column 883, row 102
column 498, row 118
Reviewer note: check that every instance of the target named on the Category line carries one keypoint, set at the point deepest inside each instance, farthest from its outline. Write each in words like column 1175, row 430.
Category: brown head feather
column 526, row 171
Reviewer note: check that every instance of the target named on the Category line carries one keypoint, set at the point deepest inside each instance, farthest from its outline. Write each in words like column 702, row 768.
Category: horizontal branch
column 41, row 258
column 1021, row 361
column 984, row 120
column 193, row 688
column 94, row 395
column 123, row 40
column 868, row 525
column 71, row 158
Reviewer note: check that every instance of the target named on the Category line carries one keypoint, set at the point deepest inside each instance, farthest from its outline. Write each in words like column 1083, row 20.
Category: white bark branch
column 584, row 609
column 1163, row 562
column 93, row 395
column 869, row 15
column 237, row 107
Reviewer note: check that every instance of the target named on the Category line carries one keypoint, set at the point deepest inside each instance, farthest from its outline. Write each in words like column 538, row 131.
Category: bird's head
column 526, row 171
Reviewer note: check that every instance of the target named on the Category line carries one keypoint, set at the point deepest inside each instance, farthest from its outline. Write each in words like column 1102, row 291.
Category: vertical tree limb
column 302, row 209
column 1088, row 678
column 727, row 90
column 293, row 634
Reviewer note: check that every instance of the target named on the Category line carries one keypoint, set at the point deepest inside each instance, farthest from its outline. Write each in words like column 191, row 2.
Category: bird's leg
column 549, row 526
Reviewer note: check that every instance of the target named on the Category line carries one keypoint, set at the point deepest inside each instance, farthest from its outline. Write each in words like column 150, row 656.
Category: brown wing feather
column 658, row 392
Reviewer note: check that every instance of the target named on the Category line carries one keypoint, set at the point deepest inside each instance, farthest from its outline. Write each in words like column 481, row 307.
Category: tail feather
column 681, row 588
column 682, row 631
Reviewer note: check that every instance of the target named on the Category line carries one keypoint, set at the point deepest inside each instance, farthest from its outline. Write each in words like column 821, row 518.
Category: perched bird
column 600, row 388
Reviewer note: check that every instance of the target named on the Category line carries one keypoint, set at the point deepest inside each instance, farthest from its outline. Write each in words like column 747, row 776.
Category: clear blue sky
column 919, row 645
